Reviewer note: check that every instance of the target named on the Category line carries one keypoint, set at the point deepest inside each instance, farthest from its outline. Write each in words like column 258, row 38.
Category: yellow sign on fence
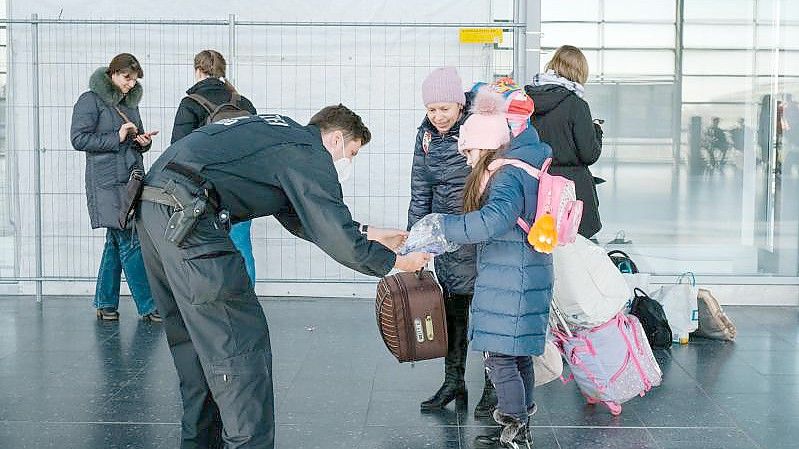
column 481, row 35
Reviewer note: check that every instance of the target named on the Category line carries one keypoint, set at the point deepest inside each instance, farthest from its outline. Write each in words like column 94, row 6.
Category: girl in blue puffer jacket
column 510, row 309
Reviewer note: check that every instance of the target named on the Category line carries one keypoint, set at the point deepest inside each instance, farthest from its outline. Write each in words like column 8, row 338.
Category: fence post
column 527, row 40
column 676, row 112
column 519, row 41
column 231, row 60
column 37, row 163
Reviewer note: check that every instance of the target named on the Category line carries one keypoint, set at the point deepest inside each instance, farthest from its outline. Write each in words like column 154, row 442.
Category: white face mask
column 343, row 168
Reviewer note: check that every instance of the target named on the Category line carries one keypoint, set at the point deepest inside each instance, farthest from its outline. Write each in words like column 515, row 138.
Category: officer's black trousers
column 216, row 331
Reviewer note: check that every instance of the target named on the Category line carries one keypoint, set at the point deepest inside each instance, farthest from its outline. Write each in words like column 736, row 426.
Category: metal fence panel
column 288, row 68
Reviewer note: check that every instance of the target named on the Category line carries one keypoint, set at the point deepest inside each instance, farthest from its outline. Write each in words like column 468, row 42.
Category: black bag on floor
column 652, row 317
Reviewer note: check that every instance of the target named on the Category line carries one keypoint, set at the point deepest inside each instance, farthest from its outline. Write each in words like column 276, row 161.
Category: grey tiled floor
column 68, row 381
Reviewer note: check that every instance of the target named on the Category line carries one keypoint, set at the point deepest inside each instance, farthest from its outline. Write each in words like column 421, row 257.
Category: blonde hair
column 570, row 63
column 213, row 64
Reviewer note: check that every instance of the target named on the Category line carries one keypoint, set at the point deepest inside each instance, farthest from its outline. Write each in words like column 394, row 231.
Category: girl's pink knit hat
column 487, row 127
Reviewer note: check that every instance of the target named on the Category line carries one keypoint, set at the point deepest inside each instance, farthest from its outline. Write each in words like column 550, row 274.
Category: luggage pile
column 603, row 324
column 686, row 310
column 606, row 349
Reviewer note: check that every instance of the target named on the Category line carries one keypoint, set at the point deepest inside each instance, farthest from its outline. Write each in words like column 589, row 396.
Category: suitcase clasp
column 428, row 324
column 417, row 325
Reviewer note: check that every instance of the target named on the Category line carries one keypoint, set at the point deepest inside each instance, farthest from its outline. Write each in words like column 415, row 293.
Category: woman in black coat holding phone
column 563, row 120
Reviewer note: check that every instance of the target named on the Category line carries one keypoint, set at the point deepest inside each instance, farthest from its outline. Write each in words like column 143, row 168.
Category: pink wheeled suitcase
column 611, row 363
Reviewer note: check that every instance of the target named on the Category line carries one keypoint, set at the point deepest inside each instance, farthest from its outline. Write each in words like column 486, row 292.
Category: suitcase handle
column 420, row 271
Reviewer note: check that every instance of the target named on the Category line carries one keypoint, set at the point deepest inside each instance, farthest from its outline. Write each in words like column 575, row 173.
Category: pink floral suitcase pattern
column 611, row 363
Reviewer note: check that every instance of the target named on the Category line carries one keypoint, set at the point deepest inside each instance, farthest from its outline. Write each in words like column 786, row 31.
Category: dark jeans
column 216, row 330
column 514, row 380
column 122, row 252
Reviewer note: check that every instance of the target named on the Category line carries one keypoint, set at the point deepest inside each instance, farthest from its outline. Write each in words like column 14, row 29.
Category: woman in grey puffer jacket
column 437, row 180
column 106, row 126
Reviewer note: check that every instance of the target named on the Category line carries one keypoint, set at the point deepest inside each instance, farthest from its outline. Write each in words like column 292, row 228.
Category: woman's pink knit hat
column 443, row 85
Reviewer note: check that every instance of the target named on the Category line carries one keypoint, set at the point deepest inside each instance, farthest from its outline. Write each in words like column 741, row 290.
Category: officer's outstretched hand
column 412, row 261
column 390, row 238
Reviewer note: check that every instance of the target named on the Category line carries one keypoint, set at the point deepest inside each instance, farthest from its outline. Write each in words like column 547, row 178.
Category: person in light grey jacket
column 107, row 127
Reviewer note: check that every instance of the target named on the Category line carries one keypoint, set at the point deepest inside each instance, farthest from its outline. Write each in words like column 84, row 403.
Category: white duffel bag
column 589, row 290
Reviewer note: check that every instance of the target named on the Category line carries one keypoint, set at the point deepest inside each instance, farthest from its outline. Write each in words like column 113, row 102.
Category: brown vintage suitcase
column 410, row 316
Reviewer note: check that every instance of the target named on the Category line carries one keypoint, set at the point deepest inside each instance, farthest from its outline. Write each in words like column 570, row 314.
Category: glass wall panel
column 788, row 62
column 638, row 62
column 639, row 35
column 788, row 10
column 571, row 11
column 719, row 10
column 717, row 194
column 718, row 36
column 577, row 34
column 719, row 89
column 640, row 10
column 788, row 36
column 711, row 62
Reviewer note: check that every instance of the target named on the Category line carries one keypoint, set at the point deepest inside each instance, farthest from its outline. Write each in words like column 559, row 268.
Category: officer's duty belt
column 157, row 195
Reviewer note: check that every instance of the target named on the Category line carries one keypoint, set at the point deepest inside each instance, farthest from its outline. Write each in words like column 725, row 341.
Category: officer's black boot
column 457, row 311
column 488, row 402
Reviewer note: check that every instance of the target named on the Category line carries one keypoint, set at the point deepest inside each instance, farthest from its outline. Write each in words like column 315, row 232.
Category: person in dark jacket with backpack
column 107, row 127
column 209, row 100
column 563, row 120
column 437, row 178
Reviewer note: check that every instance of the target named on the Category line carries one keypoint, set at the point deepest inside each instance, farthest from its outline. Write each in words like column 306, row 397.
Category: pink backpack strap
column 532, row 171
column 496, row 164
column 546, row 164
column 529, row 169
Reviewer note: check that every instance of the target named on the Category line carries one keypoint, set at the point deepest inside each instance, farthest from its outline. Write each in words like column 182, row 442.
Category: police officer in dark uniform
column 233, row 170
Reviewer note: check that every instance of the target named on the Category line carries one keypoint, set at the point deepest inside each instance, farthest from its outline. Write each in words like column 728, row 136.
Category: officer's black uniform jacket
column 271, row 165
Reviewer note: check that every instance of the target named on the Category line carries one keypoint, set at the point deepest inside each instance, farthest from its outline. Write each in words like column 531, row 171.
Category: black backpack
column 653, row 319
column 623, row 262
column 231, row 109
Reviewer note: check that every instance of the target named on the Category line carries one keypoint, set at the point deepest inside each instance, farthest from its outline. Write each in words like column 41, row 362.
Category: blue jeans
column 514, row 380
column 240, row 234
column 122, row 252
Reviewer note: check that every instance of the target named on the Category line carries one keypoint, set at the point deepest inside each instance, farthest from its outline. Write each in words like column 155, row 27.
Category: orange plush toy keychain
column 543, row 235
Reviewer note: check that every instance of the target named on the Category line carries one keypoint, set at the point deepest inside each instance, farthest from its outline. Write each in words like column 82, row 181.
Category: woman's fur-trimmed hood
column 101, row 84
